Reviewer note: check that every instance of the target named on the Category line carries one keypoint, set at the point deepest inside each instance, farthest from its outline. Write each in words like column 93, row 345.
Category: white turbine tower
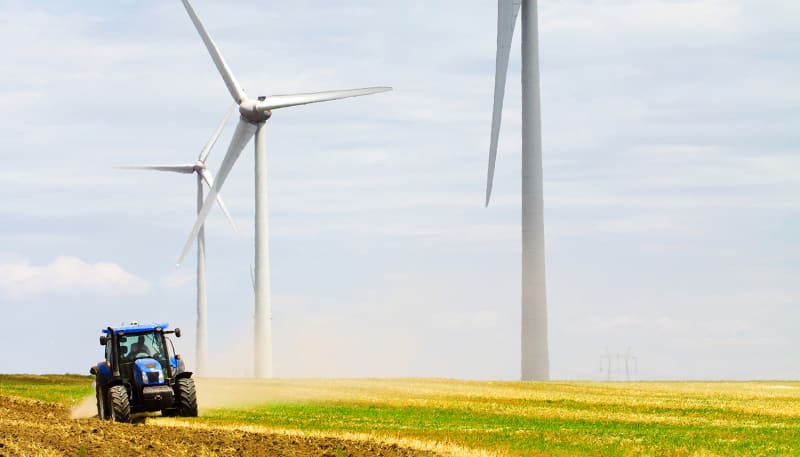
column 203, row 176
column 535, row 358
column 254, row 114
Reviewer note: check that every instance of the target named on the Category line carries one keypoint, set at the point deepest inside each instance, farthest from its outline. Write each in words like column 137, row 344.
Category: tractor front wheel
column 120, row 406
column 102, row 398
column 187, row 397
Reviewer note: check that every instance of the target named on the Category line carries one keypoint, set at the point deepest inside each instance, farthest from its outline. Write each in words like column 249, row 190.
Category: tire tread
column 120, row 406
column 186, row 397
column 101, row 398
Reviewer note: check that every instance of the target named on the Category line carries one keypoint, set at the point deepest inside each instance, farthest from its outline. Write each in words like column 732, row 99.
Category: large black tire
column 120, row 406
column 101, row 396
column 186, row 400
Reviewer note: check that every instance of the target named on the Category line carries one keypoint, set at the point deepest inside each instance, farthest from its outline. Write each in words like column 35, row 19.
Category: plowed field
column 36, row 428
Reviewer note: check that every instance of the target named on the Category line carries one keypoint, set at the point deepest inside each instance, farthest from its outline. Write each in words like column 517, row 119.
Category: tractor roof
column 135, row 327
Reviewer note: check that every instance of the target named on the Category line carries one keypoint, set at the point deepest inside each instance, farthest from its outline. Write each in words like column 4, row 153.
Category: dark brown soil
column 35, row 428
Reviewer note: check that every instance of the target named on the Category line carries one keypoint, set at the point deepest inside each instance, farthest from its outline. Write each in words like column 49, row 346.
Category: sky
column 671, row 181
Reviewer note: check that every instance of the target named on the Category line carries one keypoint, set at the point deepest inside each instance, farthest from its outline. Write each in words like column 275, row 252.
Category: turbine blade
column 233, row 86
column 207, row 148
column 253, row 277
column 507, row 11
column 186, row 169
column 244, row 131
column 283, row 101
column 209, row 179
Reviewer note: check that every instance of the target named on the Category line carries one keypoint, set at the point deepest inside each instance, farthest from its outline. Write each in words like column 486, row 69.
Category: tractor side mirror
column 103, row 340
column 178, row 332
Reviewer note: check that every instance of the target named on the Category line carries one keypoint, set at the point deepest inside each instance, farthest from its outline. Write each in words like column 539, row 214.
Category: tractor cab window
column 170, row 348
column 132, row 347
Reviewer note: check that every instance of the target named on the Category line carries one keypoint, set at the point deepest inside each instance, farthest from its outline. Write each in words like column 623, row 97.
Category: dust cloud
column 239, row 392
column 327, row 348
column 86, row 409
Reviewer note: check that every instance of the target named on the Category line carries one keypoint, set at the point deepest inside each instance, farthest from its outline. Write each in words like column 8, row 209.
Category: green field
column 498, row 418
column 64, row 389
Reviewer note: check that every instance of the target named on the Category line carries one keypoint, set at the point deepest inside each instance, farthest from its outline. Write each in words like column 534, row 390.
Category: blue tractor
column 142, row 373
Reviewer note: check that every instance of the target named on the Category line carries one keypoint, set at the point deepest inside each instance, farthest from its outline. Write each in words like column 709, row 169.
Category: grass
column 64, row 389
column 505, row 418
column 555, row 418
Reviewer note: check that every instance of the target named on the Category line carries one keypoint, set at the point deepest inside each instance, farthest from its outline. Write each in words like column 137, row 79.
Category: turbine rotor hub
column 248, row 108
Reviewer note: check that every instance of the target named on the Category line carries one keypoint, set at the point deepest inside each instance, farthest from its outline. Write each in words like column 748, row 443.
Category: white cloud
column 677, row 327
column 645, row 222
column 473, row 321
column 67, row 276
column 178, row 279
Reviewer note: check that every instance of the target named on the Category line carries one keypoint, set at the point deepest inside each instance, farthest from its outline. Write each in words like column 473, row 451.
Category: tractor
column 142, row 373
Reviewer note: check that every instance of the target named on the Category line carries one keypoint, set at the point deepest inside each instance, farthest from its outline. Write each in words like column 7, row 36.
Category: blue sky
column 672, row 190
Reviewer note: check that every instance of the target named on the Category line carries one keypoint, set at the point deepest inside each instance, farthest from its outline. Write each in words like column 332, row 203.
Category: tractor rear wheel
column 102, row 398
column 187, row 397
column 120, row 406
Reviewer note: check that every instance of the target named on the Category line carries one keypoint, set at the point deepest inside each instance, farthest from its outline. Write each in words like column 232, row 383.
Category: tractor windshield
column 134, row 346
column 137, row 346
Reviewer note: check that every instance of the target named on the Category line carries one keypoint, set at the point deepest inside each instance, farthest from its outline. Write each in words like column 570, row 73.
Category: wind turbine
column 254, row 114
column 203, row 176
column 535, row 358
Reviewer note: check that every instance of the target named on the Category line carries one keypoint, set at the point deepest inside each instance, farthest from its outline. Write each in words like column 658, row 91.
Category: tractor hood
column 148, row 372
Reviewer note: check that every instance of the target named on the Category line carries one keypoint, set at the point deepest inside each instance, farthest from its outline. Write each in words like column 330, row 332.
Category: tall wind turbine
column 254, row 114
column 535, row 358
column 203, row 176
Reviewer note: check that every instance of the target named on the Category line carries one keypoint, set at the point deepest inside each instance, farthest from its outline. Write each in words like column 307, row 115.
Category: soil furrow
column 30, row 427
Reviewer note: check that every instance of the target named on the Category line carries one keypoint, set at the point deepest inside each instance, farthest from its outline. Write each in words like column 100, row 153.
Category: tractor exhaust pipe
column 114, row 352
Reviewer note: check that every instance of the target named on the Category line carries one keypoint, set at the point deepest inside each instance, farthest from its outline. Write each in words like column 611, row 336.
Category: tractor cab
column 142, row 373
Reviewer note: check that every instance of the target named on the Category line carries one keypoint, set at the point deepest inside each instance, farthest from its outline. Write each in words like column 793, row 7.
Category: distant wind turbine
column 535, row 357
column 203, row 176
column 254, row 114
